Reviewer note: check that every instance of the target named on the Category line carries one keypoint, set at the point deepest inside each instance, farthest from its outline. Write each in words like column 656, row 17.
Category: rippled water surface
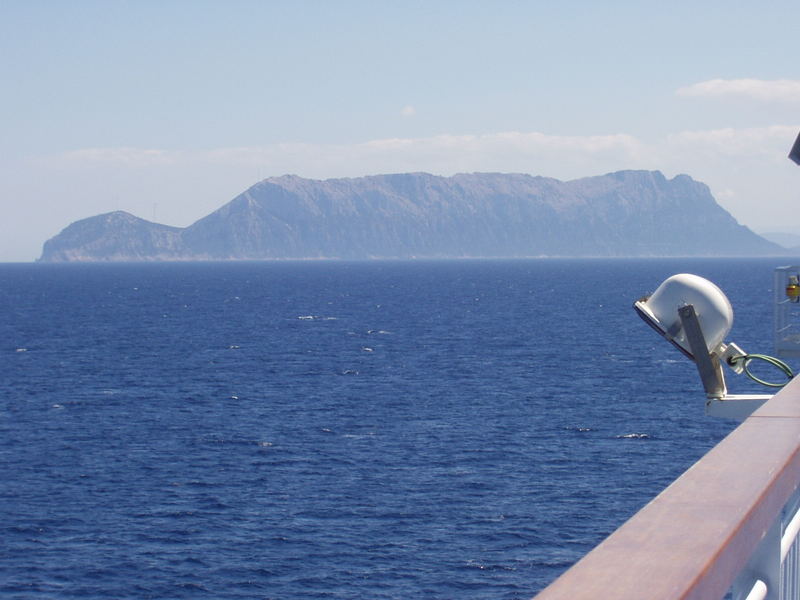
column 463, row 429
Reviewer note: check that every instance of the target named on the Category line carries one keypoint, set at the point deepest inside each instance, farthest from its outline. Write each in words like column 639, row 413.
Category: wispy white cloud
column 529, row 152
column 408, row 111
column 773, row 141
column 776, row 90
column 120, row 156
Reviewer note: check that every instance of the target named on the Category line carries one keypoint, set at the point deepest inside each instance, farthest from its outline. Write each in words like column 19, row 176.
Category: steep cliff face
column 629, row 213
column 646, row 214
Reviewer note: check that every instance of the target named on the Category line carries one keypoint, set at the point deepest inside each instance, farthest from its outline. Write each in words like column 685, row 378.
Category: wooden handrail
column 692, row 540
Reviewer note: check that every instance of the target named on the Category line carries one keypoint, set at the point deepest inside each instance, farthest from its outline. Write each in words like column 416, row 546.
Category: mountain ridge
column 419, row 215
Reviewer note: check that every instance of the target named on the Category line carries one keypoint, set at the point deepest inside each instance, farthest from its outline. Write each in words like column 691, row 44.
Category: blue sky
column 168, row 109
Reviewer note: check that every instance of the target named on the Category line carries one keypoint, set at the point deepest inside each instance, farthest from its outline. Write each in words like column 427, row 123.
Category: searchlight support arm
column 708, row 365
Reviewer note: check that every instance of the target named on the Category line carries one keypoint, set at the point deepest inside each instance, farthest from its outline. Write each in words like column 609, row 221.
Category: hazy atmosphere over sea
column 169, row 110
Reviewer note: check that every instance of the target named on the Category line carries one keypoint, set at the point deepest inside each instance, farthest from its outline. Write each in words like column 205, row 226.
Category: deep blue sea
column 293, row 430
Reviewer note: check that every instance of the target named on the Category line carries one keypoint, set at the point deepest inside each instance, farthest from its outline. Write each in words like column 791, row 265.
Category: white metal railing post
column 773, row 570
column 789, row 573
column 790, row 549
column 764, row 568
column 759, row 591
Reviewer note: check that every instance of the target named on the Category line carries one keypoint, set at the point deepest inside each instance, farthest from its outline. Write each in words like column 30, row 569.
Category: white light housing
column 713, row 309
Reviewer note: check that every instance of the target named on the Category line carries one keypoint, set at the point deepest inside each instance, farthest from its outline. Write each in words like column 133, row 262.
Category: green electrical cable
column 775, row 362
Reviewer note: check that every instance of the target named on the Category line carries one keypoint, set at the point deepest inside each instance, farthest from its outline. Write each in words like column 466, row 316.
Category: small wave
column 368, row 349
column 193, row 587
column 472, row 564
column 21, row 350
column 317, row 318
column 236, row 442
column 617, row 359
column 378, row 332
column 633, row 436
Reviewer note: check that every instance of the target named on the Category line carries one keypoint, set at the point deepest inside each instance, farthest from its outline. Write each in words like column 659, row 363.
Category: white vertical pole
column 764, row 565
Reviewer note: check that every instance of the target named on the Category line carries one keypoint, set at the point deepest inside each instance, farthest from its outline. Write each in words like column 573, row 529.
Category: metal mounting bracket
column 707, row 363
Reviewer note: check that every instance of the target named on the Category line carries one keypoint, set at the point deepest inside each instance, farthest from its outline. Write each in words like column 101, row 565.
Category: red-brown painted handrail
column 692, row 540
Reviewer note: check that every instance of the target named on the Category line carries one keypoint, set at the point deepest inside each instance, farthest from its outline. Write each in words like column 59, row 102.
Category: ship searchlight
column 661, row 310
column 695, row 316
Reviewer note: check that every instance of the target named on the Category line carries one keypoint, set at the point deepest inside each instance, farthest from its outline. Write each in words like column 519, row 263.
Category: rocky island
column 417, row 215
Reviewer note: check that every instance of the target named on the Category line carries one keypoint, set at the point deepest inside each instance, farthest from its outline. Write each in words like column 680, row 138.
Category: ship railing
column 727, row 528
